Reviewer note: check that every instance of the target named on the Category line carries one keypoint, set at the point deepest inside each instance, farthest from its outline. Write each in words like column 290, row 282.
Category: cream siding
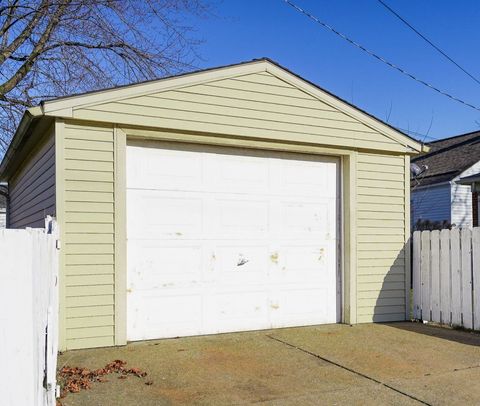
column 381, row 264
column 32, row 187
column 88, row 190
column 257, row 105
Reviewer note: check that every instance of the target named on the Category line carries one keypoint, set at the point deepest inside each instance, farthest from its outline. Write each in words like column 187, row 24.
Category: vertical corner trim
column 60, row 213
column 120, row 228
column 349, row 202
column 407, row 238
column 353, row 237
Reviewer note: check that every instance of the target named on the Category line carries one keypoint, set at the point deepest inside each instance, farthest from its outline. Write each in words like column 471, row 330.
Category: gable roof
column 449, row 157
column 65, row 107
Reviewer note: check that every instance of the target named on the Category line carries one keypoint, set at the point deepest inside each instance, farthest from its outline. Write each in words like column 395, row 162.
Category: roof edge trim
column 28, row 117
column 63, row 107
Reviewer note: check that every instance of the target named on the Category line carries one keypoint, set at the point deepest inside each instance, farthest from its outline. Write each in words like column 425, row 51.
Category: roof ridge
column 449, row 147
column 454, row 136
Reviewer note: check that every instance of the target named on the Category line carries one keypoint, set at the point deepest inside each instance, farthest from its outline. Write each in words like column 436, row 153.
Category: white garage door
column 226, row 240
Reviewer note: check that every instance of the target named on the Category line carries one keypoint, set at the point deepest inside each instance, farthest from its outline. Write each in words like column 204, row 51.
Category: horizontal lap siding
column 89, row 234
column 32, row 188
column 380, row 237
column 254, row 105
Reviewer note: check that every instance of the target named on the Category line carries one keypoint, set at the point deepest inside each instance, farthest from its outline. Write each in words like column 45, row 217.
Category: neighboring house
column 3, row 206
column 237, row 198
column 438, row 194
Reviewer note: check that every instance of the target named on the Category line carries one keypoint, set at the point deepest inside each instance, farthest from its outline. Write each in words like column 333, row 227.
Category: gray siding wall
column 431, row 203
column 32, row 188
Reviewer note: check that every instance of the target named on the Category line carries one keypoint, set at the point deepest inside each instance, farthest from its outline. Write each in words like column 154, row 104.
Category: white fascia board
column 410, row 145
column 66, row 105
column 466, row 170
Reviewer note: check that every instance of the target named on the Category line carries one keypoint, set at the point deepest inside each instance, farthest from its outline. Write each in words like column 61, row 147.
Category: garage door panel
column 151, row 316
column 241, row 263
column 235, row 311
column 153, row 265
column 236, row 243
column 309, row 179
column 242, row 216
column 302, row 306
column 301, row 218
column 307, row 259
column 163, row 214
column 176, row 172
column 236, row 174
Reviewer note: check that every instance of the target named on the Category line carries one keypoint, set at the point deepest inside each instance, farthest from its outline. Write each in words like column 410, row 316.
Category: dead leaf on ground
column 74, row 379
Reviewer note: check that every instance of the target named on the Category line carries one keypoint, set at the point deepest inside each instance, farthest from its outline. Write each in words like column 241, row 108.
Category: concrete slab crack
column 386, row 385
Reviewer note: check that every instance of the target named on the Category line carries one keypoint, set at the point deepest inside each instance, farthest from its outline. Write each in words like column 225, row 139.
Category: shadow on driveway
column 459, row 336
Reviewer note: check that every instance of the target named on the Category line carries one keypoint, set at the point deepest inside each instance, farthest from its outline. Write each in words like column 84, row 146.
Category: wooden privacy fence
column 28, row 315
column 446, row 277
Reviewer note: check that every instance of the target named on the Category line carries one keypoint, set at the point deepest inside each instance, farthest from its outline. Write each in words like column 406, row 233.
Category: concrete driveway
column 391, row 364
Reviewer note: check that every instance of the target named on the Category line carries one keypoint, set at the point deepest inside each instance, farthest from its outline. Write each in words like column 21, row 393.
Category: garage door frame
column 347, row 254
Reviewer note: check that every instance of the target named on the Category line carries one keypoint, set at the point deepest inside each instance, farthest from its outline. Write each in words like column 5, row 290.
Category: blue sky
column 247, row 29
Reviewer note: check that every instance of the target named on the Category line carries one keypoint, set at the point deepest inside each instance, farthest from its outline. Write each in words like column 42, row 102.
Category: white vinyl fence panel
column 446, row 277
column 28, row 316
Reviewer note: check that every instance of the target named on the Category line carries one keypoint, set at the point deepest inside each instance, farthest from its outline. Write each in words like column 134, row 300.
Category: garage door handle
column 241, row 260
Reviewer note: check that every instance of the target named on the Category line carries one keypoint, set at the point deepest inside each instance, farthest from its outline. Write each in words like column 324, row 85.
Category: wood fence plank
column 445, row 277
column 476, row 277
column 425, row 275
column 28, row 284
column 435, row 275
column 456, row 277
column 466, row 245
column 417, row 287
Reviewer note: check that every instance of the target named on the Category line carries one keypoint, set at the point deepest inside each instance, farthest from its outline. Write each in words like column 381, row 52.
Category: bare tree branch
column 51, row 48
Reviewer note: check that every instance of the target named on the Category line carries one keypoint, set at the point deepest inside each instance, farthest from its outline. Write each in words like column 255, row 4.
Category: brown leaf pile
column 74, row 379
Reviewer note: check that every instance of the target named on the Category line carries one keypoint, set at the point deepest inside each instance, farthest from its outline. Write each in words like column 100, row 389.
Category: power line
column 381, row 59
column 424, row 136
column 427, row 40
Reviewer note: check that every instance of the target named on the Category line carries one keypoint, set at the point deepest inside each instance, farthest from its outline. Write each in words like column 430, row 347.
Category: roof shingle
column 448, row 158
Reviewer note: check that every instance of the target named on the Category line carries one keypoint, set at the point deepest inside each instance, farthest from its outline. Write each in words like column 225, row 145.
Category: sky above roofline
column 270, row 28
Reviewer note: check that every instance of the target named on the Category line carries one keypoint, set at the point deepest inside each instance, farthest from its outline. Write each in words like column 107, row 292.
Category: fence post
column 417, row 287
column 445, row 277
column 466, row 238
column 425, row 275
column 51, row 345
column 435, row 275
column 476, row 277
column 456, row 277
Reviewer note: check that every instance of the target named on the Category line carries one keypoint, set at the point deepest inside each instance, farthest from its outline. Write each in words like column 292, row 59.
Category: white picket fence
column 446, row 277
column 28, row 316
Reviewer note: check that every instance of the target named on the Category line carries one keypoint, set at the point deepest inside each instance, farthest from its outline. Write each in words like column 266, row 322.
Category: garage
column 222, row 239
column 236, row 198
